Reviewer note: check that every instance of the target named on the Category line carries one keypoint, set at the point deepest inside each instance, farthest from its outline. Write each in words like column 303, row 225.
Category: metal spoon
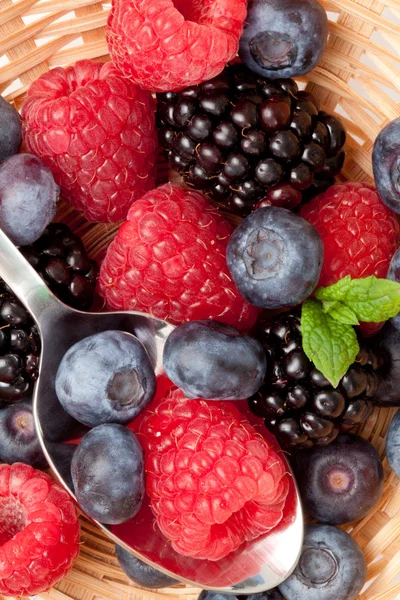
column 256, row 566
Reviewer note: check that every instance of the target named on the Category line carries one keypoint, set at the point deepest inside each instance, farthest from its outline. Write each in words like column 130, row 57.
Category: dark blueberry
column 166, row 137
column 306, row 105
column 108, row 474
column 282, row 39
column 244, row 114
column 305, row 95
column 220, row 193
column 289, row 86
column 5, row 339
column 13, row 313
column 268, row 172
column 301, row 177
column 337, row 132
column 215, row 102
column 357, row 411
column 386, row 164
column 166, row 114
column 239, row 205
column 297, row 397
column 58, row 272
column 214, row 361
column 141, row 573
column 200, row 127
column 184, row 110
column 15, row 391
column 31, row 255
column 253, row 142
column 184, row 146
column 314, row 426
column 198, row 177
column 331, row 567
column 393, row 444
column 275, row 258
column 314, row 156
column 249, row 190
column 296, row 365
column 220, row 82
column 10, row 367
column 190, row 92
column 387, row 346
column 274, row 116
column 10, row 130
column 285, row 146
column 236, row 167
column 271, row 405
column 32, row 366
column 341, row 482
column 301, row 124
column 18, row 438
column 282, row 195
column 226, row 135
column 333, row 165
column 329, row 403
column 223, row 181
column 105, row 378
column 209, row 157
column 164, row 97
column 320, row 135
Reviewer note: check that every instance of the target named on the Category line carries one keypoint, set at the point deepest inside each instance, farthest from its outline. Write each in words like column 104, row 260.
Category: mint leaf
column 372, row 300
column 330, row 345
column 340, row 312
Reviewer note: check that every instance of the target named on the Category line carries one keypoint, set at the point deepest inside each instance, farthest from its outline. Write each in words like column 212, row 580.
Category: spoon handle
column 26, row 284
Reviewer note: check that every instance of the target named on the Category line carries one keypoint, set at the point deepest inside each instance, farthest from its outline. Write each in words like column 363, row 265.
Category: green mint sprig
column 329, row 339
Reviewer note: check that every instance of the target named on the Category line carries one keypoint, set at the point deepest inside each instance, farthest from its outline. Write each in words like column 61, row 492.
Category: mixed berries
column 265, row 355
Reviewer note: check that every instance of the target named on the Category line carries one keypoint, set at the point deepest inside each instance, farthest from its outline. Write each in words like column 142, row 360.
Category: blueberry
column 331, row 567
column 273, row 594
column 394, row 275
column 386, row 345
column 28, row 198
column 108, row 474
column 393, row 444
column 18, row 439
column 275, row 258
column 341, row 482
column 386, row 164
column 141, row 573
column 211, row 360
column 105, row 378
column 283, row 38
column 10, row 130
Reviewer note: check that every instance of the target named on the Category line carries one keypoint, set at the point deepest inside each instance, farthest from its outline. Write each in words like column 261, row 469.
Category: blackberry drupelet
column 299, row 405
column 61, row 260
column 249, row 142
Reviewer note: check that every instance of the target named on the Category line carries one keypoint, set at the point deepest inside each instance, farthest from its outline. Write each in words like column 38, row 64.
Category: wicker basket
column 359, row 78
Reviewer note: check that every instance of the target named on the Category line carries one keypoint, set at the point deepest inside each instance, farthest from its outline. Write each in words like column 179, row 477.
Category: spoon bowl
column 256, row 566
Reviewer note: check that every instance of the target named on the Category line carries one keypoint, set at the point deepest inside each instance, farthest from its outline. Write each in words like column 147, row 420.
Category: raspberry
column 96, row 132
column 170, row 44
column 214, row 482
column 39, row 531
column 359, row 232
column 169, row 259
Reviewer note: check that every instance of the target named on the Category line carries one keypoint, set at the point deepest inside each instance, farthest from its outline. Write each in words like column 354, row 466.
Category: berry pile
column 298, row 403
column 61, row 260
column 243, row 139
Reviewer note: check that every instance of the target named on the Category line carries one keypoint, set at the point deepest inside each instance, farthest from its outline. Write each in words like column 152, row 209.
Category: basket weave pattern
column 358, row 78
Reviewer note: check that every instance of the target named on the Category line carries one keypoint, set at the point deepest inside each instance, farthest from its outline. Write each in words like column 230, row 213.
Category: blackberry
column 249, row 142
column 61, row 260
column 298, row 404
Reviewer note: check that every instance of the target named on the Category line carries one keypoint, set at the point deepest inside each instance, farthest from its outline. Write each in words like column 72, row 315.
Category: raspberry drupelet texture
column 39, row 531
column 169, row 259
column 96, row 132
column 170, row 44
column 360, row 234
column 214, row 482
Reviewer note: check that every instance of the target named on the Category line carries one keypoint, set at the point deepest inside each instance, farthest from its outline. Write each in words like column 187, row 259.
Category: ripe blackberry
column 299, row 405
column 248, row 141
column 61, row 260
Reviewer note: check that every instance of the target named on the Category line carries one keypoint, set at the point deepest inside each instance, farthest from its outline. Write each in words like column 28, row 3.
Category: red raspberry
column 169, row 259
column 167, row 45
column 359, row 232
column 39, row 528
column 214, row 482
column 96, row 132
